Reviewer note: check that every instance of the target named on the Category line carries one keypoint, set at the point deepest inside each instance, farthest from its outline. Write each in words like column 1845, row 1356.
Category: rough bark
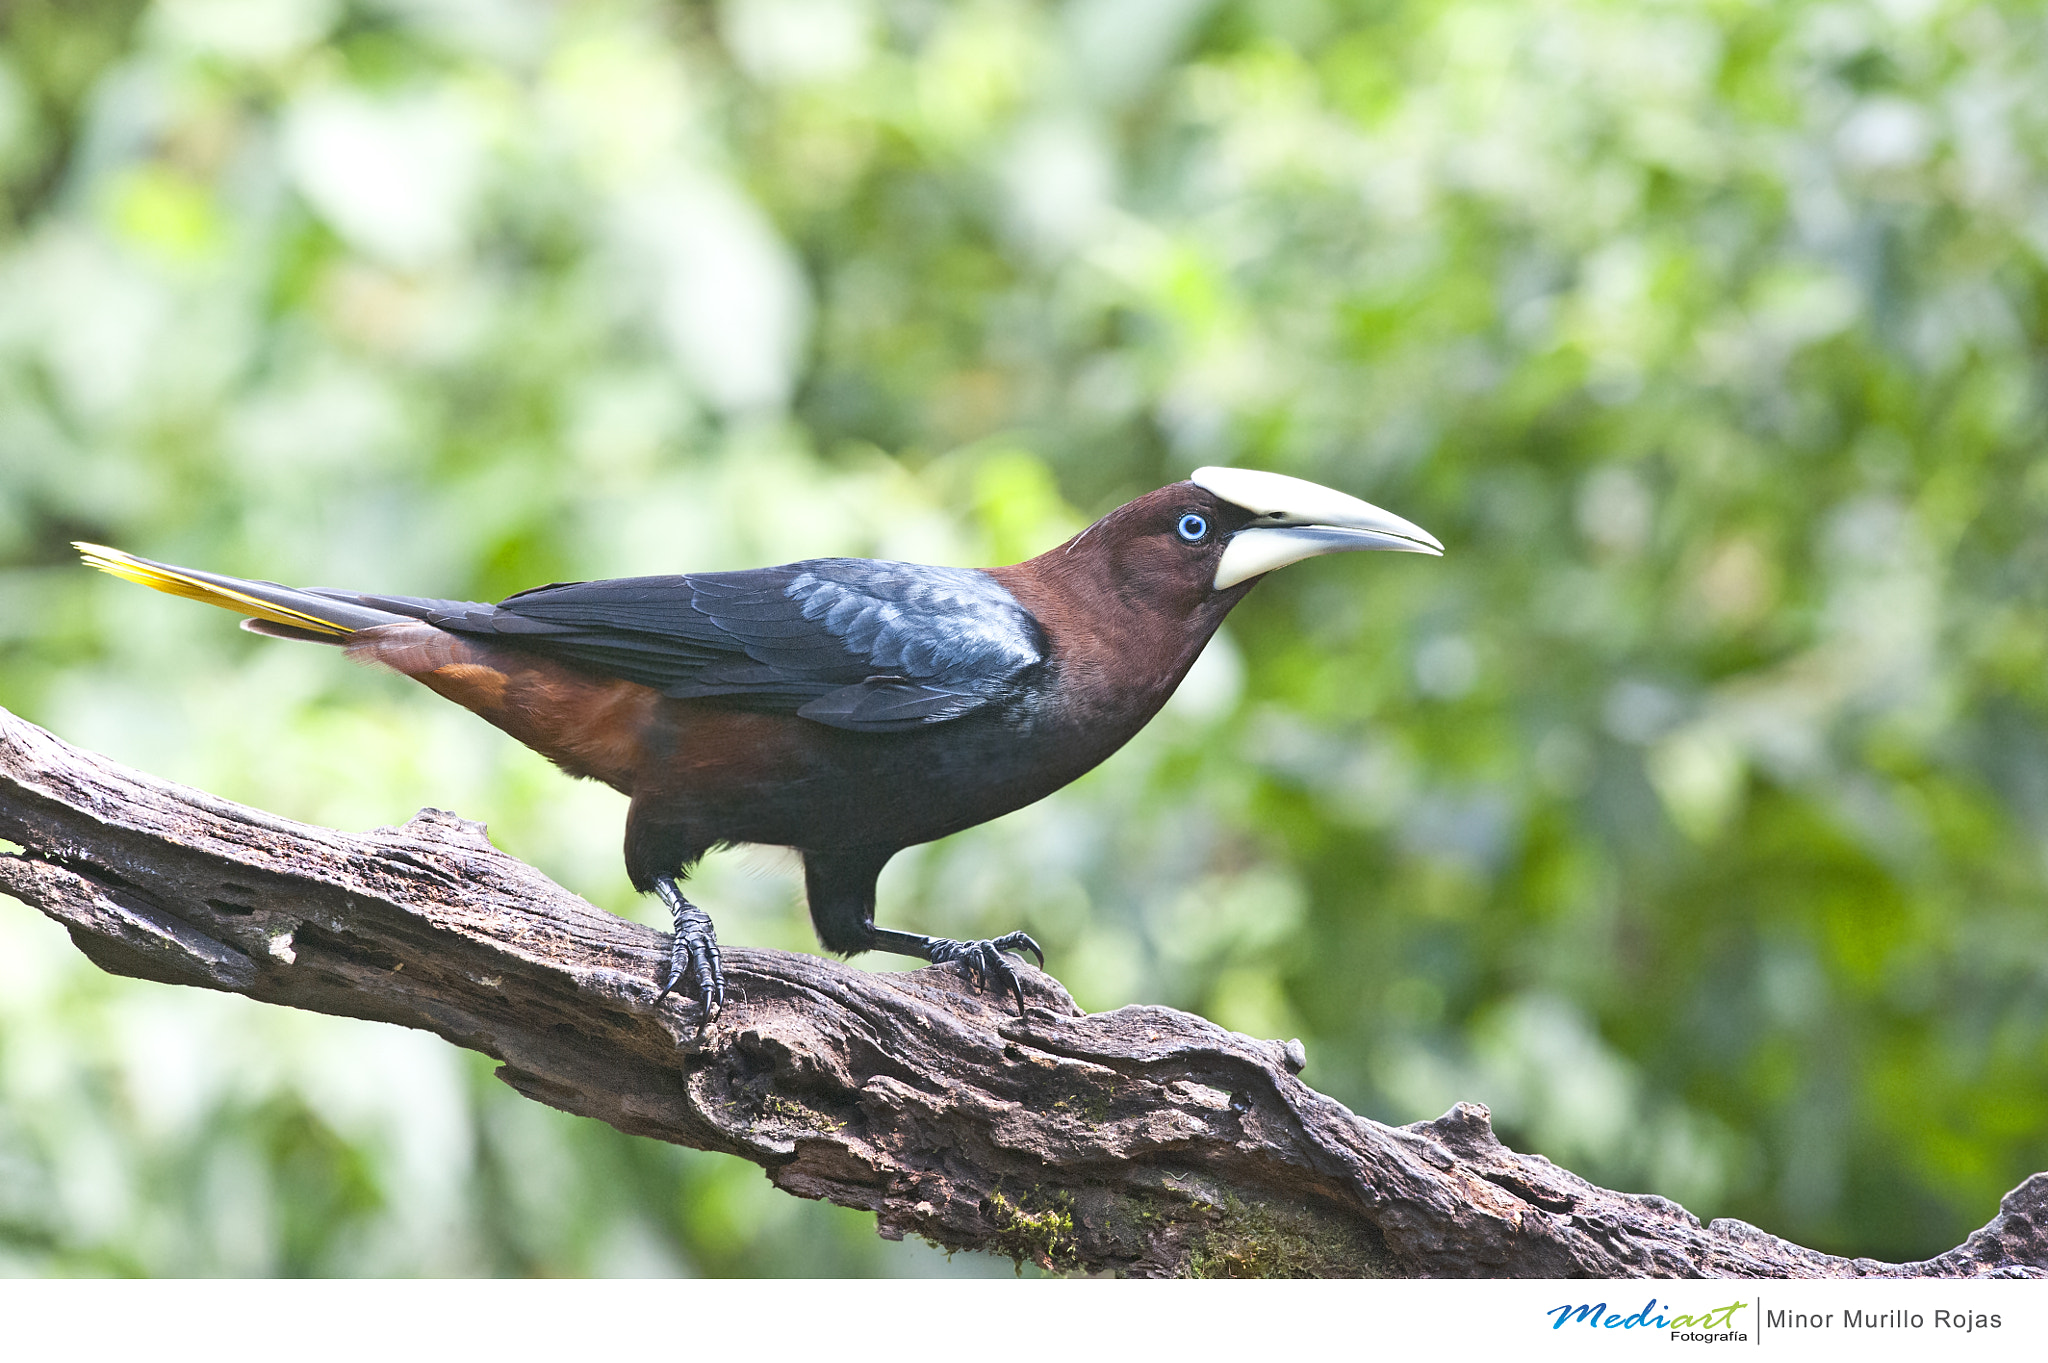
column 1144, row 1140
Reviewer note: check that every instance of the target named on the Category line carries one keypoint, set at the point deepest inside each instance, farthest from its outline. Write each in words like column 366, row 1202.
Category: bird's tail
column 273, row 609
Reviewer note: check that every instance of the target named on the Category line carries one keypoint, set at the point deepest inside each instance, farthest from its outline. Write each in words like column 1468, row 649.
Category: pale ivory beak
column 1297, row 519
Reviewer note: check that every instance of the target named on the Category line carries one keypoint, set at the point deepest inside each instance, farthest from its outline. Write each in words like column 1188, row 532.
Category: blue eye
column 1192, row 528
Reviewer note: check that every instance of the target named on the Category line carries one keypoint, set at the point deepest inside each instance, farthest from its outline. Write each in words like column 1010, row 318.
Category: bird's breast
column 738, row 776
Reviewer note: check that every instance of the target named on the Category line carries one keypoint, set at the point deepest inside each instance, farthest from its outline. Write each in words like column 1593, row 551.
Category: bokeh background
column 1690, row 813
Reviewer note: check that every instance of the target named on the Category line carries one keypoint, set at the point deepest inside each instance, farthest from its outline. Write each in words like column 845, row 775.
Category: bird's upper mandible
column 1294, row 519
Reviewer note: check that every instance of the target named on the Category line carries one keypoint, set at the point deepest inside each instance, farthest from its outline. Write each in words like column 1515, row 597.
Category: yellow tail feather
column 216, row 591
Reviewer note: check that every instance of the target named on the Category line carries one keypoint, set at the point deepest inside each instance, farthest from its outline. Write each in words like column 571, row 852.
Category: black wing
column 854, row 643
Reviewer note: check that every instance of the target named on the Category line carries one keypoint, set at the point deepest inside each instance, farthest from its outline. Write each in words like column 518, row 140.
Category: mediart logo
column 1708, row 1327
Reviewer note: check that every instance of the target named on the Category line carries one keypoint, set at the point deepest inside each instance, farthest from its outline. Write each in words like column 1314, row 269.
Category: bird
column 846, row 708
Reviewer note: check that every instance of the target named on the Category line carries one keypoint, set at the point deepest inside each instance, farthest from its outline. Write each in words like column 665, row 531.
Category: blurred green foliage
column 1690, row 813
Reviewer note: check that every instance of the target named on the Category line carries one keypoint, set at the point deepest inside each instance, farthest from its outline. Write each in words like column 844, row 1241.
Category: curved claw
column 1019, row 942
column 984, row 960
column 693, row 955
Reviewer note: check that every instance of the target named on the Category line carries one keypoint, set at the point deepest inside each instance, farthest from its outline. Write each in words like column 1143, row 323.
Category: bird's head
column 1202, row 543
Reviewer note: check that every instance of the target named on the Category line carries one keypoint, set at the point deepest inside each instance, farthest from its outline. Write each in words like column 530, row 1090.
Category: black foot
column 692, row 952
column 984, row 960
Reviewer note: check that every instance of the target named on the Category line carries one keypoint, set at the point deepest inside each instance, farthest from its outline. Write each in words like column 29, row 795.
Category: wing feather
column 854, row 643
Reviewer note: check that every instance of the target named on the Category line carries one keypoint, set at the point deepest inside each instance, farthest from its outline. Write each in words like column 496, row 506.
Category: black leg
column 692, row 952
column 841, row 888
column 984, row 959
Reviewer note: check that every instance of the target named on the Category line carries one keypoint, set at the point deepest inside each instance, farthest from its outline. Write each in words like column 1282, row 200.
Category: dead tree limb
column 1144, row 1140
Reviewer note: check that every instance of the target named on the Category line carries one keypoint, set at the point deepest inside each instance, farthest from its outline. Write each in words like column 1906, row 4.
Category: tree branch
column 1143, row 1140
